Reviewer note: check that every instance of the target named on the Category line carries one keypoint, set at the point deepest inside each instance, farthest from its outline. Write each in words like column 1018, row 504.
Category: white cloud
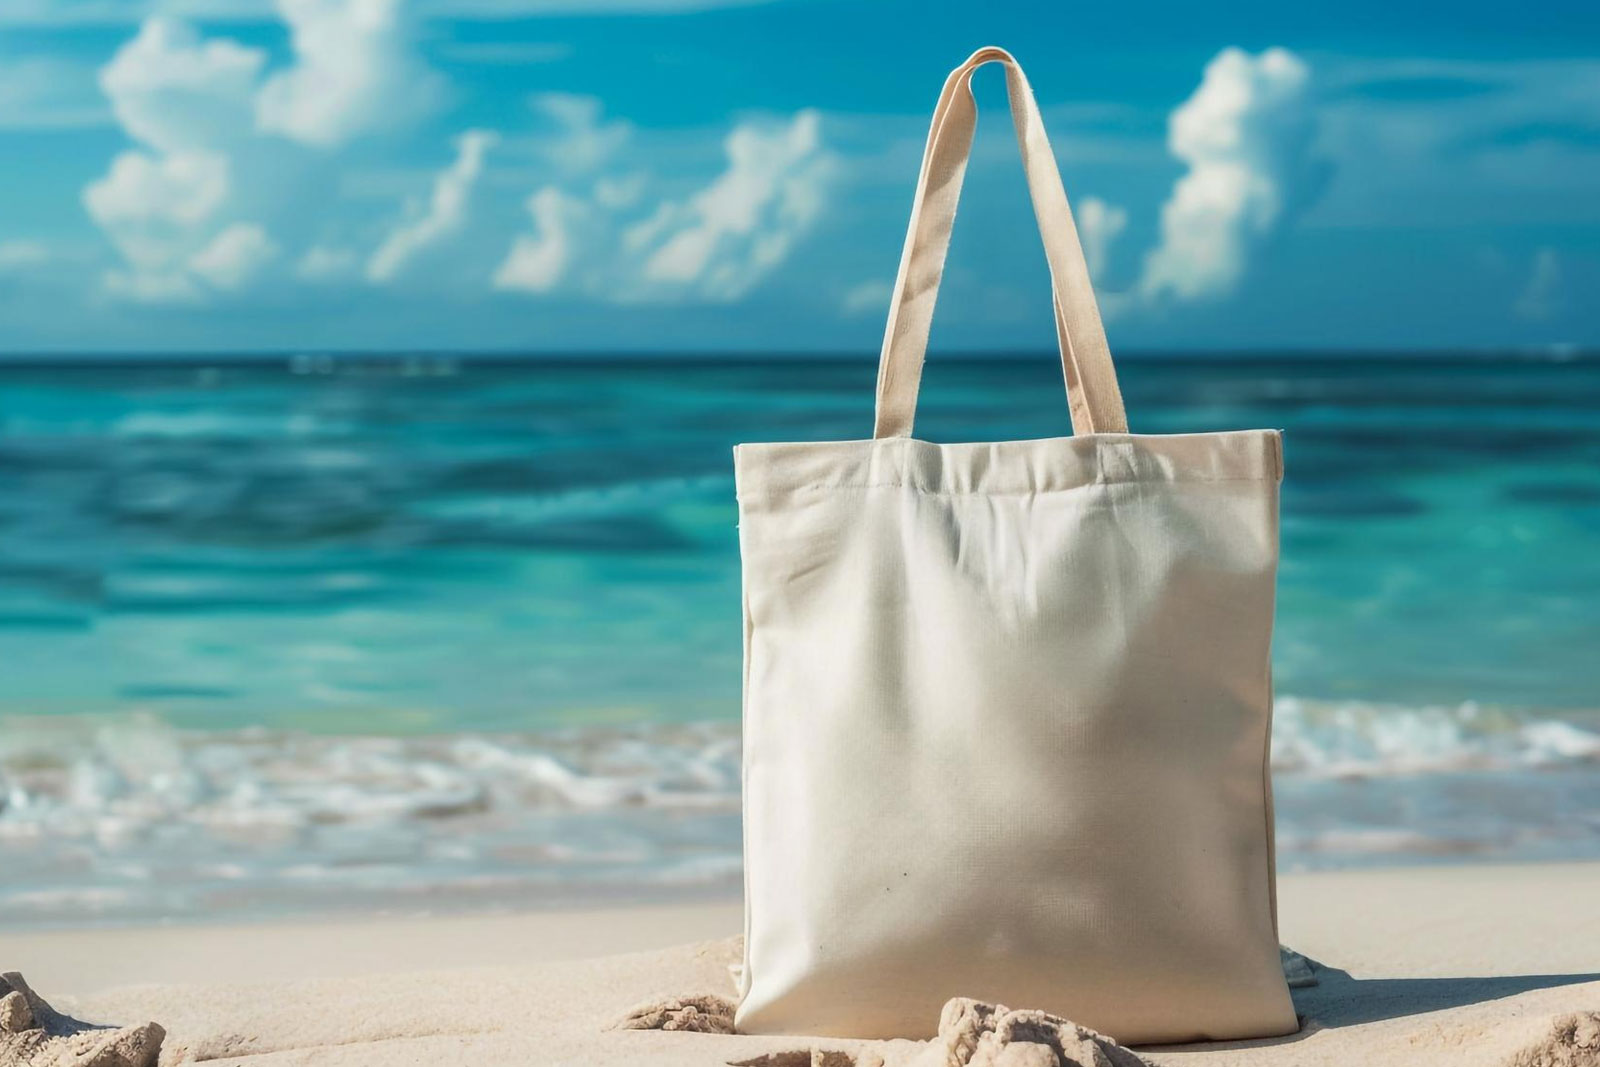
column 353, row 72
column 1246, row 136
column 211, row 120
column 326, row 263
column 447, row 208
column 233, row 256
column 163, row 206
column 715, row 244
column 1541, row 297
column 179, row 190
column 176, row 271
column 578, row 144
column 538, row 261
column 1099, row 225
column 727, row 237
column 583, row 141
column 174, row 92
column 155, row 211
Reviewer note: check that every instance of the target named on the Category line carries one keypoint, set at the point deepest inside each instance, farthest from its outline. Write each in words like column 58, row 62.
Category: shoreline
column 1311, row 908
column 1418, row 965
column 80, row 961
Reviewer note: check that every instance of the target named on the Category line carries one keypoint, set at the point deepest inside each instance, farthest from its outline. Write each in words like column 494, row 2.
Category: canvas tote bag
column 1007, row 704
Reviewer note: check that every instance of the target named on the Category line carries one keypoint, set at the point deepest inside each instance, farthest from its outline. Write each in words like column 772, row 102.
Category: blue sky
column 673, row 175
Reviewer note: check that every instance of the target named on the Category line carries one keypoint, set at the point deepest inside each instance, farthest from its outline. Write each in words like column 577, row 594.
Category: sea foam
column 127, row 817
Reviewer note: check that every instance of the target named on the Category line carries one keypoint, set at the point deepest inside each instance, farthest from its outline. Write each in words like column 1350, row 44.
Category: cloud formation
column 447, row 208
column 1246, row 135
column 579, row 140
column 233, row 256
column 219, row 141
column 224, row 145
column 249, row 165
column 175, row 92
column 538, row 261
column 182, row 99
column 713, row 245
column 157, row 211
column 353, row 72
column 724, row 239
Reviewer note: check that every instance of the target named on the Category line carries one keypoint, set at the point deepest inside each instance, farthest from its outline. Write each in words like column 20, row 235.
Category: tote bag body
column 1007, row 705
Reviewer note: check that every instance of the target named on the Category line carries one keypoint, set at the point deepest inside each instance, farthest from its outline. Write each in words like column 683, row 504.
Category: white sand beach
column 1442, row 965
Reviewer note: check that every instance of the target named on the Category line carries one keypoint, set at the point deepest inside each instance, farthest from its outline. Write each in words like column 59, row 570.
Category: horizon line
column 320, row 356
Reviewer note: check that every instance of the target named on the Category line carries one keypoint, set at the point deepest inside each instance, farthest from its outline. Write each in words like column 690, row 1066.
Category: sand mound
column 810, row 1057
column 1574, row 1041
column 34, row 1034
column 706, row 1014
column 971, row 1034
column 975, row 1034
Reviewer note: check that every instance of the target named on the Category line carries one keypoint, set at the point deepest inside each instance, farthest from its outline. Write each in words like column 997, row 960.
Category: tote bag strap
column 1092, row 394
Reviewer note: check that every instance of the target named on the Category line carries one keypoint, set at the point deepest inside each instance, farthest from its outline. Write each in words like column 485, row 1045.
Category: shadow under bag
column 1007, row 705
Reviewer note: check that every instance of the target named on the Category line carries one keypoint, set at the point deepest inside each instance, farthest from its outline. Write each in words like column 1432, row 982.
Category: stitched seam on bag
column 1268, row 799
column 744, row 766
column 1270, row 829
column 1008, row 492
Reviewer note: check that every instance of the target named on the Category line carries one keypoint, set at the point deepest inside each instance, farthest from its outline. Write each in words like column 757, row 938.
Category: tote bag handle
column 1092, row 394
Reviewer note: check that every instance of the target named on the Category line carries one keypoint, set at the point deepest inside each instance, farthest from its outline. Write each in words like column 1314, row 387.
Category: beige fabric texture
column 1007, row 705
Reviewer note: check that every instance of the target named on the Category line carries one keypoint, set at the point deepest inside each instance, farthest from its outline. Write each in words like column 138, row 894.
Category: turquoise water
column 356, row 568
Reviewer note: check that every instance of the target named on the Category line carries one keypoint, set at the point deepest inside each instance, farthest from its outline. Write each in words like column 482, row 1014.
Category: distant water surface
column 299, row 633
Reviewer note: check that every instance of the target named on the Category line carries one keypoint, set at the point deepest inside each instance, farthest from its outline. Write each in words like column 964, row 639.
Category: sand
column 1449, row 965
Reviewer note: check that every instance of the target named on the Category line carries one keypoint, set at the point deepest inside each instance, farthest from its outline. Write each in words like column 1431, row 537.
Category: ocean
column 416, row 633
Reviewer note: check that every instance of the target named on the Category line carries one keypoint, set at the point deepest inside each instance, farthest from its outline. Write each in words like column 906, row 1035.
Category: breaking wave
column 127, row 818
